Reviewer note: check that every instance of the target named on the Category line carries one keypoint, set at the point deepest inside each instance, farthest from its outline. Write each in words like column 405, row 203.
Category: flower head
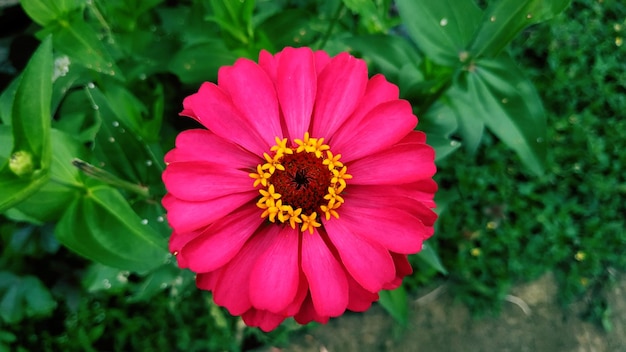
column 306, row 191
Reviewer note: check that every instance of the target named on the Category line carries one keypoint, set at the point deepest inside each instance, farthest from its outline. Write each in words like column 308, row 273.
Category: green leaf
column 396, row 304
column 44, row 11
column 391, row 54
column 287, row 28
column 156, row 281
column 430, row 257
column 100, row 277
column 49, row 202
column 31, row 107
column 509, row 105
column 441, row 29
column 200, row 62
column 80, row 42
column 439, row 123
column 470, row 123
column 504, row 19
column 23, row 297
column 29, row 162
column 102, row 227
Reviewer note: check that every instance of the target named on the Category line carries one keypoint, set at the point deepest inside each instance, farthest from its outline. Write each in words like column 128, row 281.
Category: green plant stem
column 331, row 26
column 108, row 178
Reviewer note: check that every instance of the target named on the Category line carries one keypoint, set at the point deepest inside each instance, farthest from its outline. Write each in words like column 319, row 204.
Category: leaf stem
column 108, row 178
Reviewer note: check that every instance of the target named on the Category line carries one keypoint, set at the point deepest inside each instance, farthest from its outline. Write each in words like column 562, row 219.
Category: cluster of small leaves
column 507, row 227
column 85, row 124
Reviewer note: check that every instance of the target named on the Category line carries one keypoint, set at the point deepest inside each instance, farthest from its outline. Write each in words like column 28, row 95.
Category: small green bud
column 21, row 163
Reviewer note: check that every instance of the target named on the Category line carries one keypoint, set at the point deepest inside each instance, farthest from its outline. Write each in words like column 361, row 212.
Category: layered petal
column 253, row 94
column 382, row 127
column 264, row 320
column 402, row 163
column 368, row 263
column 213, row 108
column 274, row 280
column 217, row 244
column 359, row 299
column 232, row 288
column 296, row 86
column 327, row 280
column 186, row 216
column 403, row 268
column 340, row 87
column 200, row 181
column 203, row 145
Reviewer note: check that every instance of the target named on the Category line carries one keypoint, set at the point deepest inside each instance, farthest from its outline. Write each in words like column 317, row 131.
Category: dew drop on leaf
column 443, row 22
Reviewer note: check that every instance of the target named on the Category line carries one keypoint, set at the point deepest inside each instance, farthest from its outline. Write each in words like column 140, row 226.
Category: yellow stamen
column 332, row 160
column 260, row 177
column 309, row 222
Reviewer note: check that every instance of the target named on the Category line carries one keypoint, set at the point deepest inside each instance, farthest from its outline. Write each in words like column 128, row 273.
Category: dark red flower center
column 304, row 182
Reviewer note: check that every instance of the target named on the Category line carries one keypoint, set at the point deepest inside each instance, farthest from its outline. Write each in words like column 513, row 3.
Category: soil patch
column 531, row 320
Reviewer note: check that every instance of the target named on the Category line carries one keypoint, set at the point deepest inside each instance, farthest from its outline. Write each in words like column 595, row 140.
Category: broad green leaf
column 29, row 162
column 200, row 62
column 31, row 107
column 6, row 102
column 44, row 11
column 510, row 107
column 468, row 115
column 15, row 189
column 428, row 255
column 80, row 42
column 162, row 277
column 23, row 297
column 287, row 28
column 100, row 277
column 65, row 184
column 121, row 151
column 102, row 227
column 504, row 19
column 234, row 17
column 389, row 53
column 396, row 304
column 439, row 123
column 7, row 144
column 441, row 29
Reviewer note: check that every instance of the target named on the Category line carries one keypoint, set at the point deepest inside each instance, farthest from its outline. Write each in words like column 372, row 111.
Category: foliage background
column 510, row 210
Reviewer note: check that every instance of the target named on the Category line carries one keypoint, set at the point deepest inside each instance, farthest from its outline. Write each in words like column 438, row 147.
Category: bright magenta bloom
column 306, row 191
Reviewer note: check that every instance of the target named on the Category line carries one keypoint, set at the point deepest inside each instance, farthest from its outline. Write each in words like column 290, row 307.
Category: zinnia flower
column 306, row 191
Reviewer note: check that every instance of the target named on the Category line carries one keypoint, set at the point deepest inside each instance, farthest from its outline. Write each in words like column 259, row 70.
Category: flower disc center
column 303, row 183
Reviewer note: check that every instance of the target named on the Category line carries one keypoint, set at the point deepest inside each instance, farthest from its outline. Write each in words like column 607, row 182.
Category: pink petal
column 382, row 127
column 423, row 191
column 222, row 240
column 199, row 181
column 185, row 216
column 308, row 314
column 296, row 86
column 368, row 263
column 391, row 196
column 403, row 268
column 207, row 281
column 377, row 91
column 402, row 163
column 269, row 63
column 327, row 280
column 265, row 320
column 395, row 229
column 340, row 87
column 204, row 145
column 253, row 94
column 232, row 289
column 215, row 110
column 321, row 60
column 360, row 299
column 275, row 277
column 296, row 304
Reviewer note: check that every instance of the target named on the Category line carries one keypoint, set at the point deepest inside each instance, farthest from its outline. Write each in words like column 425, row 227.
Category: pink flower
column 305, row 193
